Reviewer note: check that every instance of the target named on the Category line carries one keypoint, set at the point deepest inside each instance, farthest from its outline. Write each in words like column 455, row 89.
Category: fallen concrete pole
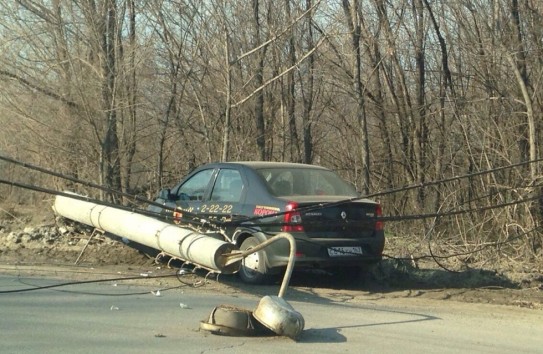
column 188, row 245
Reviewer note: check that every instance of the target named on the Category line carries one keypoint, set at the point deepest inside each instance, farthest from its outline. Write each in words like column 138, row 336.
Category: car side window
column 228, row 186
column 195, row 187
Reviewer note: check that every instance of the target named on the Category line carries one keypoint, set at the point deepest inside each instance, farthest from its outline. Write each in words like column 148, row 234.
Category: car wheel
column 253, row 268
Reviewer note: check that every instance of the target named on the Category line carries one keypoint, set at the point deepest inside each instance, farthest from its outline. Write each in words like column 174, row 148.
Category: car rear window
column 305, row 181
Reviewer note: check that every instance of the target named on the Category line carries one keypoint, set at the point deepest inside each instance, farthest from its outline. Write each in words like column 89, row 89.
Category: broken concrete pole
column 183, row 243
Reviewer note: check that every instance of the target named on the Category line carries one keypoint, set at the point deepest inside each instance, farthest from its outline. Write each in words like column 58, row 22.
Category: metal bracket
column 94, row 232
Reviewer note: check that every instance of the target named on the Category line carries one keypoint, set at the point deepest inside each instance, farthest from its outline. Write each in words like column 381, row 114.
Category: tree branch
column 37, row 88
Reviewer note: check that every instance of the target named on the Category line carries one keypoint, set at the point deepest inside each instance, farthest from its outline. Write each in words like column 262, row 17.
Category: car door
column 193, row 191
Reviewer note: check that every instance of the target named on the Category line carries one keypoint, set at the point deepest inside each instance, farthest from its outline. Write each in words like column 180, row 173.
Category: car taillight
column 292, row 218
column 378, row 213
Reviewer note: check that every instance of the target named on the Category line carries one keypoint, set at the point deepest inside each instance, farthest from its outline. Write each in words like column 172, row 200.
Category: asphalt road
column 103, row 318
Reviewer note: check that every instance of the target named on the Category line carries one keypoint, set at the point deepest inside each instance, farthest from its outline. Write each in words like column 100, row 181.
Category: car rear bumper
column 322, row 253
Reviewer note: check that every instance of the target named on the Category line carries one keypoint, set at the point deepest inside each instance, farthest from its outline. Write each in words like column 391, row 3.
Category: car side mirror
column 165, row 194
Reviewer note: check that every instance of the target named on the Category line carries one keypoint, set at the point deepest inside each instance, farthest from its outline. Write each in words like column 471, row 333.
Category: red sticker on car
column 265, row 210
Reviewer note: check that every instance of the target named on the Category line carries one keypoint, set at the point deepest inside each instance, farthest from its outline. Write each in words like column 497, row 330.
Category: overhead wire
column 106, row 294
column 80, row 282
column 450, row 212
column 216, row 223
column 451, row 179
column 196, row 219
column 93, row 185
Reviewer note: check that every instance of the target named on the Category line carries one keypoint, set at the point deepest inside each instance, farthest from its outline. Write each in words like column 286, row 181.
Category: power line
column 80, row 282
column 196, row 219
column 217, row 224
column 179, row 275
column 451, row 179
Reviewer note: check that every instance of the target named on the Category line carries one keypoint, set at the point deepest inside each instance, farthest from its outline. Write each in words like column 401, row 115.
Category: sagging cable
column 85, row 282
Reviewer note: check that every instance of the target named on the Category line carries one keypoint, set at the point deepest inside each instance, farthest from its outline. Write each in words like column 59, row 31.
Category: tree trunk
column 527, row 142
column 307, row 90
column 420, row 136
column 294, row 145
column 110, row 147
column 131, row 89
column 228, row 67
column 259, row 79
column 352, row 16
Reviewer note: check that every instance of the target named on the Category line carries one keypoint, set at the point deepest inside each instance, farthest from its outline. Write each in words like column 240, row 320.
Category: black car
column 334, row 228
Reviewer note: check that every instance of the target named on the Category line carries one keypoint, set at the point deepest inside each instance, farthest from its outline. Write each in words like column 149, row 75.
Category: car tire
column 253, row 268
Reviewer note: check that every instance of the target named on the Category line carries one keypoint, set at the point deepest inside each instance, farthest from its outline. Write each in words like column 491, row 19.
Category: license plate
column 344, row 251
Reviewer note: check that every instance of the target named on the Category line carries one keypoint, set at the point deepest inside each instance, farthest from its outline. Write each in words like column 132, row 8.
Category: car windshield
column 305, row 181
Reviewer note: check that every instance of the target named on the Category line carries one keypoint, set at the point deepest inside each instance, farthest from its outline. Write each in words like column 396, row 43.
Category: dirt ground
column 40, row 243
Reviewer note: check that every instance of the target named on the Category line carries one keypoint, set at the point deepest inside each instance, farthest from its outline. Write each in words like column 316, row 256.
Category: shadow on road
column 309, row 285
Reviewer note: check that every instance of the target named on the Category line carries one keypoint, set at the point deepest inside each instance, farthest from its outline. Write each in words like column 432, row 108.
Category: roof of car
column 272, row 164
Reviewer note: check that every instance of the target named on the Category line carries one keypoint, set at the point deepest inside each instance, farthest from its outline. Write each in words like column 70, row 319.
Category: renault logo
column 343, row 215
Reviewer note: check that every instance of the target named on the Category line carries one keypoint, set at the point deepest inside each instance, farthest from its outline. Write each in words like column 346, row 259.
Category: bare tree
column 307, row 87
column 259, row 81
column 352, row 16
column 388, row 93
